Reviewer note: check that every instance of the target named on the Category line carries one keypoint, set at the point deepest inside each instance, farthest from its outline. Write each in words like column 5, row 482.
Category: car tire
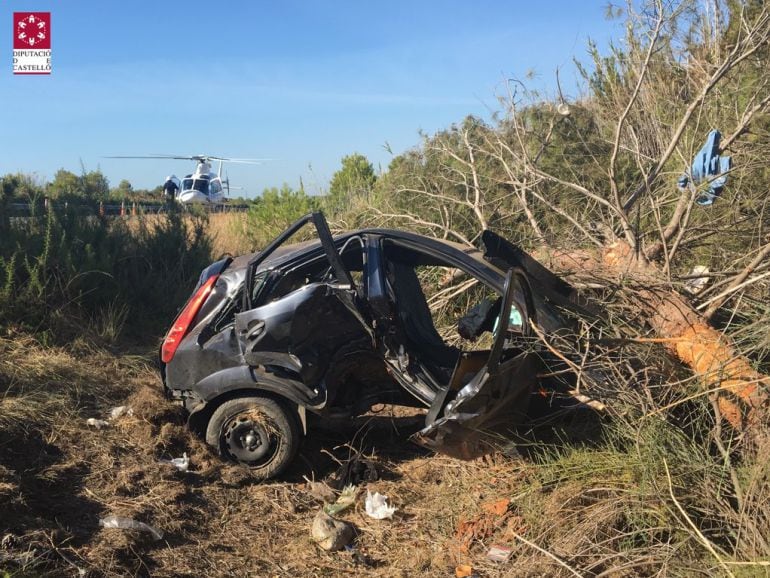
column 257, row 432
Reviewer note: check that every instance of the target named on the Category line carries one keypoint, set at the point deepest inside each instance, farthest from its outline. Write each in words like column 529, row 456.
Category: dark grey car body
column 337, row 325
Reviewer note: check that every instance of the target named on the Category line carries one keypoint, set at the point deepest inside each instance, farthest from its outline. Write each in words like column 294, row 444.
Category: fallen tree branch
column 711, row 355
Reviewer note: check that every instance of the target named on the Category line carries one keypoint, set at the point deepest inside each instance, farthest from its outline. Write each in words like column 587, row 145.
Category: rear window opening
column 272, row 285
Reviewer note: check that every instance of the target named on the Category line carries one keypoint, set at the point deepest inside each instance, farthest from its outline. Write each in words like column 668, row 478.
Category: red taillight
column 182, row 322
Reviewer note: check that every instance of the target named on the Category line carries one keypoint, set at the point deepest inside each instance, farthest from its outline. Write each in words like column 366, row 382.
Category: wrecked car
column 337, row 324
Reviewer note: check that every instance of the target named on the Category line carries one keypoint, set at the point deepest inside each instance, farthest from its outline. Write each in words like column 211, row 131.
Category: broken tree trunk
column 740, row 390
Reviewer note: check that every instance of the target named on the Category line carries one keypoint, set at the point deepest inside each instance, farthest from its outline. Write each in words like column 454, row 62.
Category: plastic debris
column 120, row 411
column 97, row 423
column 346, row 499
column 115, row 413
column 499, row 553
column 181, row 464
column 377, row 506
column 331, row 534
column 130, row 524
column 696, row 284
column 710, row 167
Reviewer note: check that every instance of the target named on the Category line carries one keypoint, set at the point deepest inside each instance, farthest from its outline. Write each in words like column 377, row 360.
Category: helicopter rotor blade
column 164, row 156
column 156, row 157
column 134, row 157
column 184, row 157
column 210, row 158
column 199, row 158
column 248, row 161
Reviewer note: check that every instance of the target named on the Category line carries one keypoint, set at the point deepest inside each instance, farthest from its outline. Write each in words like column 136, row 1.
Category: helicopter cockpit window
column 200, row 185
column 216, row 187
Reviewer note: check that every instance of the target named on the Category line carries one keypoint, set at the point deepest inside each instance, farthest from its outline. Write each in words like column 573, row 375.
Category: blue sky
column 304, row 83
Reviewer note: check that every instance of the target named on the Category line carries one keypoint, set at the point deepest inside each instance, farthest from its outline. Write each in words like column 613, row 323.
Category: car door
column 551, row 293
column 489, row 391
column 300, row 331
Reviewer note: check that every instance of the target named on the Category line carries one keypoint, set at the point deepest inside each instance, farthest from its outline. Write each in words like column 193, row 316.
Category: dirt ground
column 58, row 479
column 586, row 510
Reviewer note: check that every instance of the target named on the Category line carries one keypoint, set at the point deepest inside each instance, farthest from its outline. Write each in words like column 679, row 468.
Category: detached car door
column 469, row 415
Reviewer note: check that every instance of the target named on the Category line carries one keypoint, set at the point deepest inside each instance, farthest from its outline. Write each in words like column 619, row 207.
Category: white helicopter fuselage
column 202, row 187
column 193, row 197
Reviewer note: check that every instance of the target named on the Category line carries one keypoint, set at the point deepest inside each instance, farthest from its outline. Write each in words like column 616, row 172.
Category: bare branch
column 621, row 211
column 743, row 49
column 417, row 221
column 748, row 116
column 717, row 301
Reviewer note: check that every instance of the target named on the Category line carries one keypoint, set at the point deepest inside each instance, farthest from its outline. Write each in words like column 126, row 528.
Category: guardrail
column 26, row 209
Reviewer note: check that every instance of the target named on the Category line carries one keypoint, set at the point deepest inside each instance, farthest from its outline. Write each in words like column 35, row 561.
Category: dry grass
column 565, row 508
column 227, row 231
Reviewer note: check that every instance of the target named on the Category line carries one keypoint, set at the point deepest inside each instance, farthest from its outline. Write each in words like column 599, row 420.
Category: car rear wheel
column 257, row 432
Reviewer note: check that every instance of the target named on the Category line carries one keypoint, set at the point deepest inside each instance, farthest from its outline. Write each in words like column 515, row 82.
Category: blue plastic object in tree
column 708, row 165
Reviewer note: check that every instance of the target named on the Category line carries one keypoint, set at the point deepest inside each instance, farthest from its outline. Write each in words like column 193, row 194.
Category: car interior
column 435, row 363
column 413, row 343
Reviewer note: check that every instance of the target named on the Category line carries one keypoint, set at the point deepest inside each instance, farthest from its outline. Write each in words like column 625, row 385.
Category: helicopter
column 203, row 186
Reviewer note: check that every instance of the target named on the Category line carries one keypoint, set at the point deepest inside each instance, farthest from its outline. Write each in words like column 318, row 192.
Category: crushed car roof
column 286, row 253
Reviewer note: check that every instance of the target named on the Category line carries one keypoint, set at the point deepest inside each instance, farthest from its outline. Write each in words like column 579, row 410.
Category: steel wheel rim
column 249, row 440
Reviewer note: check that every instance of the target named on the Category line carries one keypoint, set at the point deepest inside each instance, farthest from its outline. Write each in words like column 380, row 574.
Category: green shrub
column 116, row 273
